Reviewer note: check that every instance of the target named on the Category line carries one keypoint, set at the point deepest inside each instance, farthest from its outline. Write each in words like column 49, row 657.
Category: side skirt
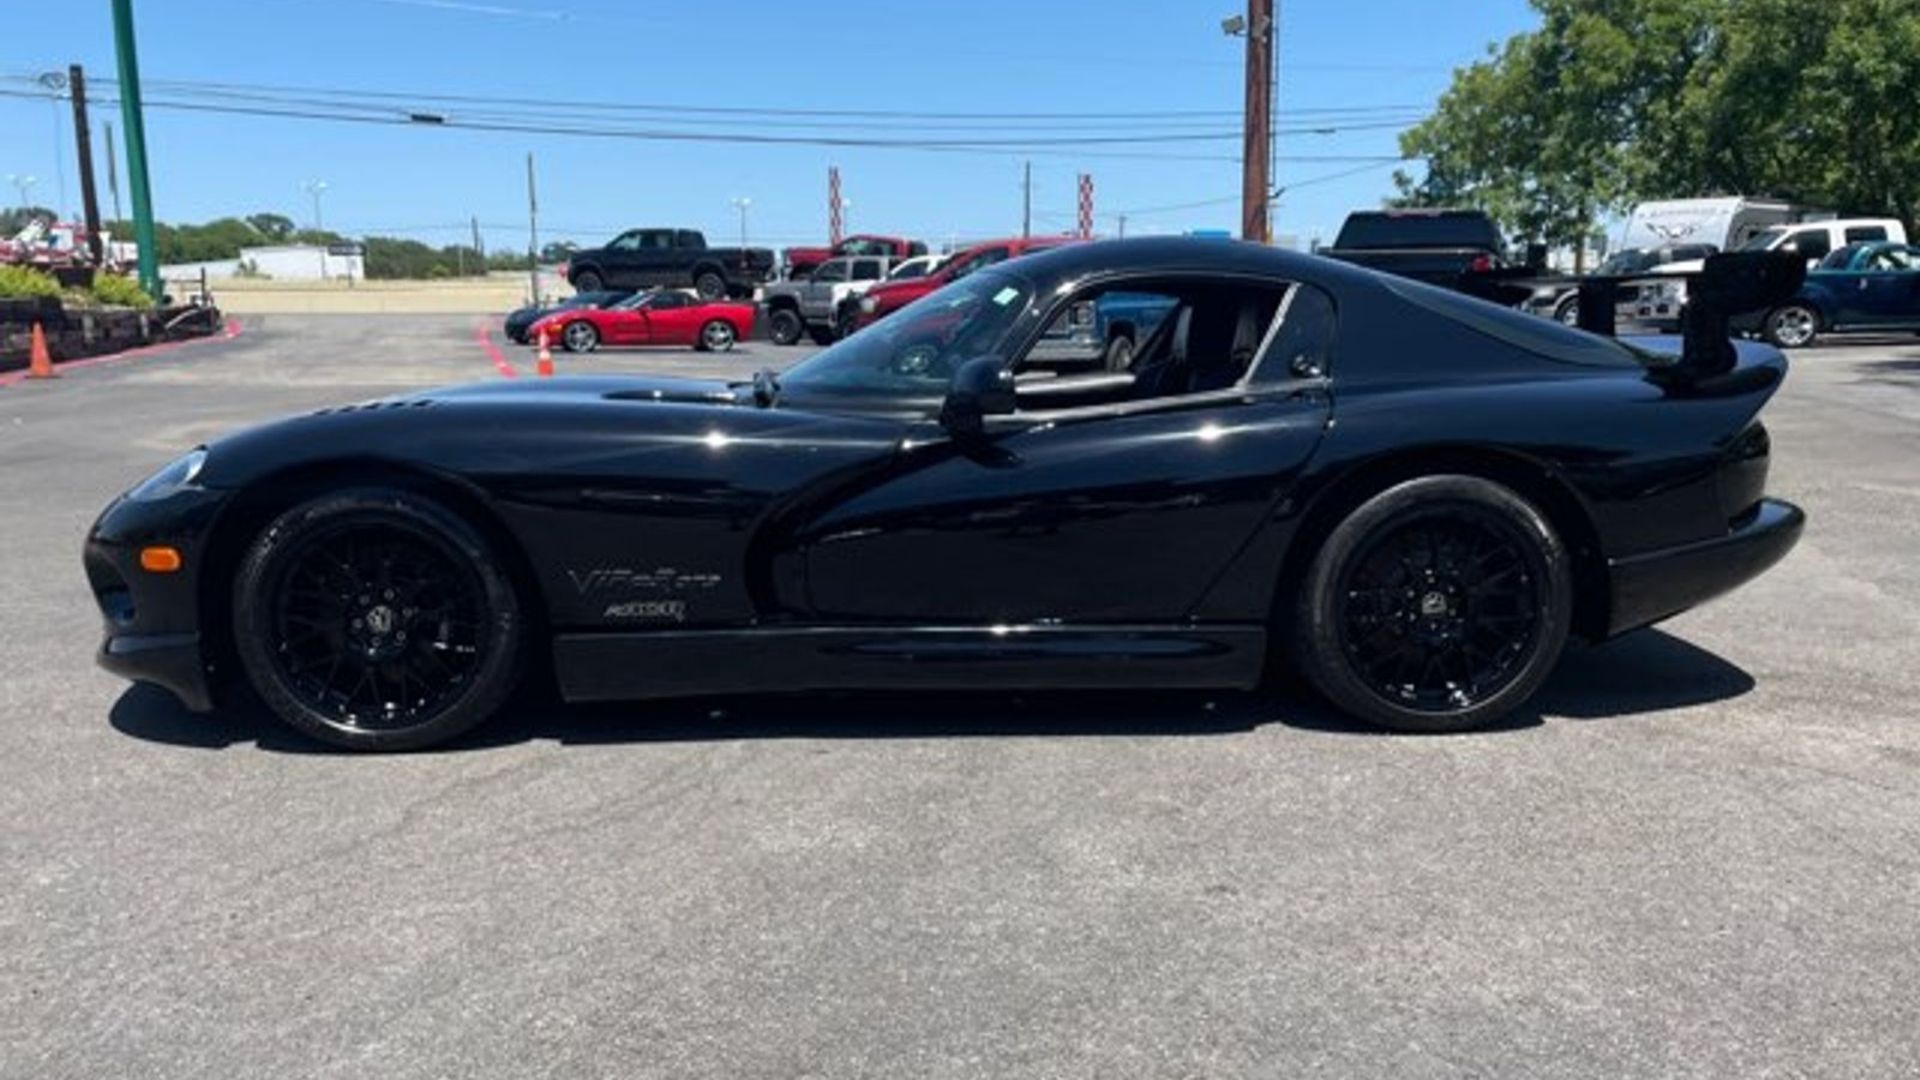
column 683, row 663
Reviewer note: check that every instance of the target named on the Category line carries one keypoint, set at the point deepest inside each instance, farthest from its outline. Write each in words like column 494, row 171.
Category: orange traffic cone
column 544, row 367
column 40, row 361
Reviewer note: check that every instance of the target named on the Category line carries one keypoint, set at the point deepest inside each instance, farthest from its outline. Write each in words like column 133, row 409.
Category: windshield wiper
column 766, row 387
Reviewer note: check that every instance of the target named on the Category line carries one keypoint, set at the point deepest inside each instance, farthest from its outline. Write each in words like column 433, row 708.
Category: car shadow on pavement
column 1643, row 673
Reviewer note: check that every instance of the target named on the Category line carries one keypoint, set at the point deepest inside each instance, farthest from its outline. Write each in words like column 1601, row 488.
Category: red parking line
column 500, row 362
column 232, row 331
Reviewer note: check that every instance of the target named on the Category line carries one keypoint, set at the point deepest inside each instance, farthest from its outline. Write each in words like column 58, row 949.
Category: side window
column 982, row 259
column 628, row 241
column 1160, row 338
column 866, row 270
column 833, row 270
column 1810, row 243
column 667, row 301
column 1302, row 346
column 1863, row 234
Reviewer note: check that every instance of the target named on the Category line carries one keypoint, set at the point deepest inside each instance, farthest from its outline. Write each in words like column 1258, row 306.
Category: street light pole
column 315, row 188
column 741, row 204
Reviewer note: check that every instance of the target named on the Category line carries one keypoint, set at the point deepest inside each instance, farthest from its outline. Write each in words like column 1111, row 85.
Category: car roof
column 1182, row 253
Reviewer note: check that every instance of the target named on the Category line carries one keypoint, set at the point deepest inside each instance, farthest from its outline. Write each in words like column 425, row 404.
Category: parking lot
column 1703, row 858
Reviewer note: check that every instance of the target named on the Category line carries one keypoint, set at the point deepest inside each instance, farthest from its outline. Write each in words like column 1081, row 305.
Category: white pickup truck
column 815, row 305
column 1658, row 305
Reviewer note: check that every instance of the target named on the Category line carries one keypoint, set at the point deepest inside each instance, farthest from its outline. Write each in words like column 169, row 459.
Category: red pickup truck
column 890, row 296
column 801, row 261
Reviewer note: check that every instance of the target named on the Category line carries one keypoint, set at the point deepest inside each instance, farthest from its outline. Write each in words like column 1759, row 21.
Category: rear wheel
column 1440, row 604
column 821, row 335
column 1568, row 312
column 717, row 336
column 588, row 281
column 1119, row 354
column 710, row 285
column 784, row 326
column 376, row 619
column 1792, row 327
column 580, row 337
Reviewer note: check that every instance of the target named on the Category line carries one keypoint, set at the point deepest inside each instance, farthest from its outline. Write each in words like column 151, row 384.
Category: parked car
column 659, row 317
column 519, row 322
column 1811, row 240
column 1653, row 304
column 1414, row 496
column 670, row 258
column 890, row 296
column 1859, row 287
column 802, row 261
column 1102, row 334
column 1435, row 246
column 817, row 304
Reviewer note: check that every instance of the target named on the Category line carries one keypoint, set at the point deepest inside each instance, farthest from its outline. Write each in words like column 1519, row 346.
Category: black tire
column 377, row 564
column 1369, row 610
column 821, row 335
column 1791, row 326
column 1119, row 353
column 846, row 320
column 580, row 336
column 588, row 281
column 784, row 326
column 710, row 284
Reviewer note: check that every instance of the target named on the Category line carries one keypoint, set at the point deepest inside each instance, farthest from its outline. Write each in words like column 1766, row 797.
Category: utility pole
column 1026, row 202
column 1257, row 139
column 132, row 117
column 113, row 171
column 533, row 234
column 83, row 138
column 836, row 219
column 1123, row 226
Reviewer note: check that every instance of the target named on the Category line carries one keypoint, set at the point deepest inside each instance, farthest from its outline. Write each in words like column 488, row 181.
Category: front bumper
column 152, row 621
column 1650, row 587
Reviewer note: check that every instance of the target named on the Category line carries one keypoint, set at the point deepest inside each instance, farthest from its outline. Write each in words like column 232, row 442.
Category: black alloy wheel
column 376, row 619
column 588, row 281
column 846, row 321
column 710, row 285
column 1439, row 605
column 784, row 326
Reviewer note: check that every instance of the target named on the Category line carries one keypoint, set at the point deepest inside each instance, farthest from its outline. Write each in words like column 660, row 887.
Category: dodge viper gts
column 1409, row 497
column 658, row 317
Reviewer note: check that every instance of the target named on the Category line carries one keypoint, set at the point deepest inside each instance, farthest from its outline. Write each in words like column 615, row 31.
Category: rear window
column 1415, row 230
column 1542, row 337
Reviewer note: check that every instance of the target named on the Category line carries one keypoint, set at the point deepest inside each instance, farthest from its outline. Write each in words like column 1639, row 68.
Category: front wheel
column 785, row 326
column 1792, row 327
column 717, row 336
column 1441, row 604
column 377, row 619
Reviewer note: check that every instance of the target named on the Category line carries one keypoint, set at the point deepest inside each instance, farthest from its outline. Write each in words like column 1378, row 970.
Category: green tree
column 1612, row 102
column 275, row 228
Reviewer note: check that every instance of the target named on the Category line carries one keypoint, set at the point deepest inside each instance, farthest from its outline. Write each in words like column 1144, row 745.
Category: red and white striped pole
column 1086, row 206
column 836, row 221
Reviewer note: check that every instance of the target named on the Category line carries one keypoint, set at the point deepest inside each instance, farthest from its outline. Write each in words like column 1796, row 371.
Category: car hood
column 583, row 388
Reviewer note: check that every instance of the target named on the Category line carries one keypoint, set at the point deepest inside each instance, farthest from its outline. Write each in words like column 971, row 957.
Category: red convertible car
column 661, row 317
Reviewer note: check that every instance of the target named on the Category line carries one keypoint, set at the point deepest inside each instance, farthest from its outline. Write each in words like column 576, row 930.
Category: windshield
column 915, row 351
column 1763, row 240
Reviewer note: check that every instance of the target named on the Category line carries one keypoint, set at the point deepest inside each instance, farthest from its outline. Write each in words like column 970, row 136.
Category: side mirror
column 982, row 387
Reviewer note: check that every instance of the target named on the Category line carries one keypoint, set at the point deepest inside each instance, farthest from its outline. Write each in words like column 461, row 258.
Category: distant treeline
column 386, row 256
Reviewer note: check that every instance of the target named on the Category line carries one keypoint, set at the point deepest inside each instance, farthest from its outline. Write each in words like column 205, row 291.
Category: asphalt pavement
column 1701, row 860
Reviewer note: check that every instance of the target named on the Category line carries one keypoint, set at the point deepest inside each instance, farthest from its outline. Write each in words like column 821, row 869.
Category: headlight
column 1672, row 292
column 869, row 305
column 180, row 474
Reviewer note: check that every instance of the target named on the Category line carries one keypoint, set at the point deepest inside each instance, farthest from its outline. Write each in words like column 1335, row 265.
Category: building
column 282, row 262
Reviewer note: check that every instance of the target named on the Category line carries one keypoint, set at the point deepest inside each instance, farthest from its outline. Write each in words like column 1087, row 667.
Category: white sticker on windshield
column 1006, row 296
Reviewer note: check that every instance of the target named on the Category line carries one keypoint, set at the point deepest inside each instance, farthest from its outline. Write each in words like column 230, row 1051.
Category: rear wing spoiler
column 1728, row 284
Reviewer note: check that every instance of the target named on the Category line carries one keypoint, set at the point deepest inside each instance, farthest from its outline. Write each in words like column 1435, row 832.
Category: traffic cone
column 544, row 367
column 40, row 361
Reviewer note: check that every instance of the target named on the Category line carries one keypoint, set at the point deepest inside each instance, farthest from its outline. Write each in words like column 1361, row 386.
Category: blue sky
column 983, row 56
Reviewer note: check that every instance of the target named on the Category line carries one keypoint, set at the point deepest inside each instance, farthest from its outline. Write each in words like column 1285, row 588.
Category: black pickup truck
column 1439, row 247
column 673, row 258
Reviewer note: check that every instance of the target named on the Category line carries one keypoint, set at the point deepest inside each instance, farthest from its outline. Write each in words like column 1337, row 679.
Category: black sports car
column 520, row 321
column 1413, row 495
